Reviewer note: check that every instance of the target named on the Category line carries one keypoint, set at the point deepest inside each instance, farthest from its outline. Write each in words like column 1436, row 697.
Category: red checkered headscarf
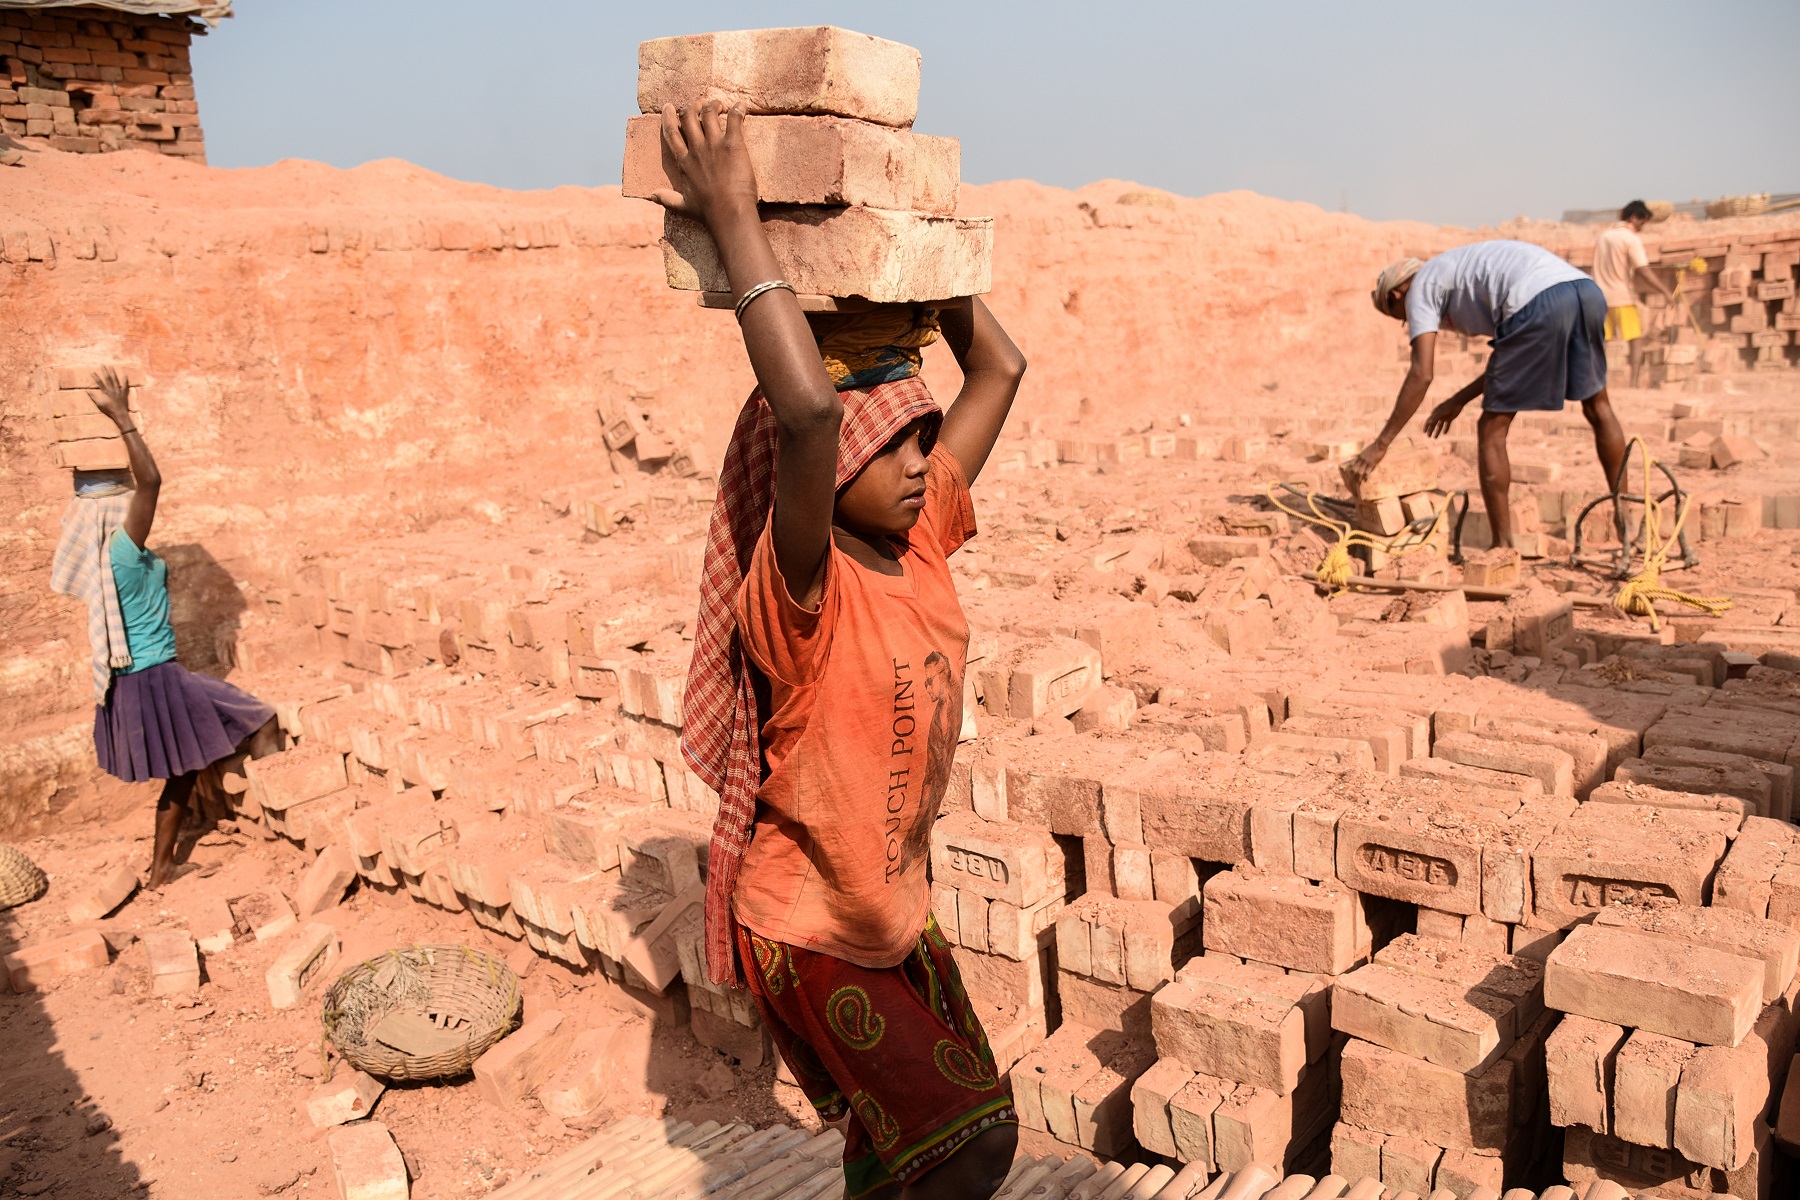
column 721, row 729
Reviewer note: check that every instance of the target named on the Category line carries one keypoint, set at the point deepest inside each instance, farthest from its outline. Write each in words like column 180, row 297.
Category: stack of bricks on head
column 81, row 436
column 856, row 205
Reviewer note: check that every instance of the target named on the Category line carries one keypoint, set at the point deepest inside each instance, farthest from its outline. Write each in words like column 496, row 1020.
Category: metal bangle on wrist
column 768, row 285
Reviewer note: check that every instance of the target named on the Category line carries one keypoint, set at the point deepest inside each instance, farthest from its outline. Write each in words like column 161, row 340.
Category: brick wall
column 90, row 80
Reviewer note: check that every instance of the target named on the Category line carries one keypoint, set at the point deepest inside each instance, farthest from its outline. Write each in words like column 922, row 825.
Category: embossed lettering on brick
column 1591, row 891
column 1067, row 685
column 973, row 862
column 1409, row 865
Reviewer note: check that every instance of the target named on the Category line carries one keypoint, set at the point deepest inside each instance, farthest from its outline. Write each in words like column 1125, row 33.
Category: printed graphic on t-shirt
column 929, row 771
column 917, row 774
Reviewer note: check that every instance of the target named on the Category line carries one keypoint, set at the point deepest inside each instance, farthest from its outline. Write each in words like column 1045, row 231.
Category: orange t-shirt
column 862, row 712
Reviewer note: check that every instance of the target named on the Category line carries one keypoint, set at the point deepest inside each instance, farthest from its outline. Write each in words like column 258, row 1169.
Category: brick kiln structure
column 102, row 77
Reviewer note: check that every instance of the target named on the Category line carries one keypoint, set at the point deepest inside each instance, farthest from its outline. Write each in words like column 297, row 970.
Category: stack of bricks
column 1401, row 497
column 1679, row 1030
column 92, row 79
column 1743, row 308
column 1443, row 1072
column 1246, row 1068
column 82, row 437
column 857, row 206
column 1162, row 902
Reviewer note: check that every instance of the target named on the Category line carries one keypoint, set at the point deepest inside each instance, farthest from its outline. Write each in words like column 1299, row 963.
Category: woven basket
column 20, row 880
column 456, row 986
column 1660, row 210
column 1738, row 206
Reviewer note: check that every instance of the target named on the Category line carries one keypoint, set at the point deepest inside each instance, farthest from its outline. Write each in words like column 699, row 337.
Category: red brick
column 1282, row 920
column 1773, row 945
column 1617, row 853
column 1252, row 1024
column 324, row 882
column 807, row 160
column 816, row 70
column 366, row 1163
column 1719, row 1102
column 1690, row 992
column 596, row 1059
column 1422, row 853
column 100, row 897
column 1443, row 1023
column 350, row 1095
column 1150, row 1096
column 37, row 966
column 305, row 961
column 886, row 256
column 174, row 963
column 1646, row 1070
column 997, row 860
column 518, row 1063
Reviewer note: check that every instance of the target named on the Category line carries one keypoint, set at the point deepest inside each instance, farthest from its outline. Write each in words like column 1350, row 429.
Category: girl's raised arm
column 992, row 368
column 710, row 166
column 113, row 398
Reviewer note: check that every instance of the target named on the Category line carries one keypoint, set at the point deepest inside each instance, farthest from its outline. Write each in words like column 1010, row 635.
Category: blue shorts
column 1551, row 350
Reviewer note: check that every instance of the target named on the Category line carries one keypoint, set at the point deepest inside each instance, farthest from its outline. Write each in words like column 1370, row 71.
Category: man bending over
column 1547, row 321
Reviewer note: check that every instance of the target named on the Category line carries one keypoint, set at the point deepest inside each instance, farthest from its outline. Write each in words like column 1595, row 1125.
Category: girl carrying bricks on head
column 153, row 718
column 825, row 695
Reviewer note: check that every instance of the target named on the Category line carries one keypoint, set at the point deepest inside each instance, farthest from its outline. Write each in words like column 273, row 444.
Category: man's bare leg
column 1609, row 439
column 171, row 811
column 1634, row 354
column 1496, row 474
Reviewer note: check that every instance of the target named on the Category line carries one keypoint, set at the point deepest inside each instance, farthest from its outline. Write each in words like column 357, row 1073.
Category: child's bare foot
column 162, row 877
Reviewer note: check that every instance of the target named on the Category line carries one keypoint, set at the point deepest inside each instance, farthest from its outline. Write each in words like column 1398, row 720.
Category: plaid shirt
column 83, row 569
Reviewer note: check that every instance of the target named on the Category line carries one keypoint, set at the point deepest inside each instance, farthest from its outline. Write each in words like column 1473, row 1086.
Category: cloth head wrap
column 721, row 728
column 82, row 568
column 1391, row 277
column 881, row 345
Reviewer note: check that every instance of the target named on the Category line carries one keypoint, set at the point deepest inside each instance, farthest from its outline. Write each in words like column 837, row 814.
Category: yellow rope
column 1336, row 569
column 1641, row 592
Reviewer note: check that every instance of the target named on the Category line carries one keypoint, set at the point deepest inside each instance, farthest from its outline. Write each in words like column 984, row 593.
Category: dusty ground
column 110, row 1088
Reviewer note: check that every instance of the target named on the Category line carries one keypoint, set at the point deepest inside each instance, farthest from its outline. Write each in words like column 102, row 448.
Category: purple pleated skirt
column 166, row 720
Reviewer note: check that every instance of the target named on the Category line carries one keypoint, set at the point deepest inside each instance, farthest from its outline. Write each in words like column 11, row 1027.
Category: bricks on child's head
column 813, row 70
column 821, row 161
column 879, row 255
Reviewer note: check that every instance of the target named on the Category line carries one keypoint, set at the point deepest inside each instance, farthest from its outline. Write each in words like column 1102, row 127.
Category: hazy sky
column 1452, row 112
